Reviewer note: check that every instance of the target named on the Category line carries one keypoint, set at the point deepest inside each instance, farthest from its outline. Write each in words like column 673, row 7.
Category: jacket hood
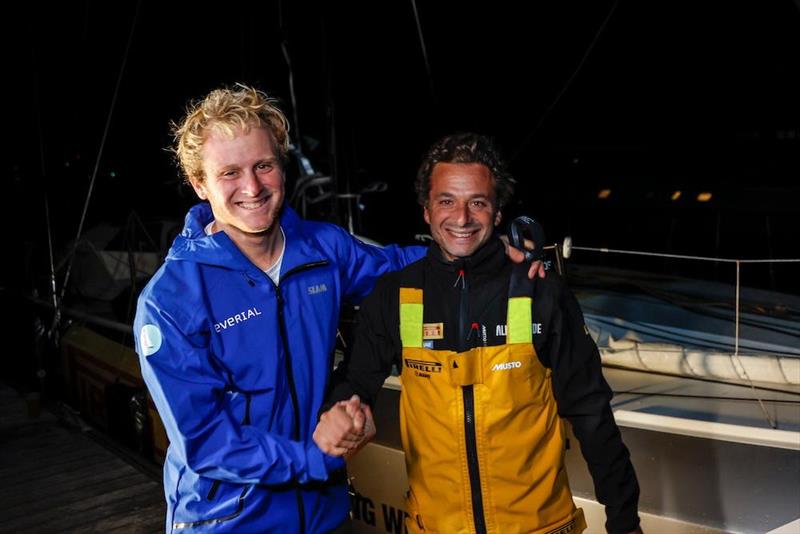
column 192, row 244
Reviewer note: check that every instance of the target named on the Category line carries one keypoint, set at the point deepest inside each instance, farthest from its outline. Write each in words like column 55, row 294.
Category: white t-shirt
column 274, row 270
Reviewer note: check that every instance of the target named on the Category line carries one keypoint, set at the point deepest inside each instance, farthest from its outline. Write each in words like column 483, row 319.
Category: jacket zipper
column 213, row 491
column 463, row 312
column 290, row 376
column 468, row 396
column 216, row 520
column 472, row 459
column 246, row 419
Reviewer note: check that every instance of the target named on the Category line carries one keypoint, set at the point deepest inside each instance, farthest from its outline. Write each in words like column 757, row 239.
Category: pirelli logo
column 424, row 366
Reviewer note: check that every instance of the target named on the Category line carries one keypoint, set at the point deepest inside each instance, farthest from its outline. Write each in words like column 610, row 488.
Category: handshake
column 345, row 428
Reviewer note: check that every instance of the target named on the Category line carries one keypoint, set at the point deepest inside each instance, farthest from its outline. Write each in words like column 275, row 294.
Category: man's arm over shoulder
column 583, row 397
column 361, row 264
column 375, row 348
column 190, row 391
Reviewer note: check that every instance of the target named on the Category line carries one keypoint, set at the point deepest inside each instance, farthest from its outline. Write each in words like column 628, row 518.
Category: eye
column 479, row 204
column 229, row 173
column 264, row 167
column 446, row 202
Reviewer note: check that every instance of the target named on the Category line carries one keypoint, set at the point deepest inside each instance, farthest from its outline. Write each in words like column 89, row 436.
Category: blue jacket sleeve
column 361, row 264
column 189, row 391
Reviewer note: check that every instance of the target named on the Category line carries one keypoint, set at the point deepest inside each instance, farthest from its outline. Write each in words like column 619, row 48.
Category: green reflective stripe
column 411, row 324
column 519, row 320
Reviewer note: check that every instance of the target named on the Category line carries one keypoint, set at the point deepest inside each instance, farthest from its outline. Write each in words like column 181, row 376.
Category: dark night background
column 689, row 96
column 636, row 97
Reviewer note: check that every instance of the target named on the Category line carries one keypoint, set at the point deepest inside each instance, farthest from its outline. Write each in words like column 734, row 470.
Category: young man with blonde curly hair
column 236, row 331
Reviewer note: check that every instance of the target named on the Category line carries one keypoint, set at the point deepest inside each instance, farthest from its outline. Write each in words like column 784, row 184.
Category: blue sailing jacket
column 238, row 368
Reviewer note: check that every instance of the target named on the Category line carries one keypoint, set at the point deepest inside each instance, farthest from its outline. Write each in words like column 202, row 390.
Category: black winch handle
column 523, row 227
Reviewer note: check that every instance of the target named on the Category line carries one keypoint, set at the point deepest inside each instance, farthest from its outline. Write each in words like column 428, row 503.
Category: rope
column 424, row 48
column 43, row 168
column 569, row 80
column 683, row 256
column 772, row 423
column 97, row 161
column 287, row 58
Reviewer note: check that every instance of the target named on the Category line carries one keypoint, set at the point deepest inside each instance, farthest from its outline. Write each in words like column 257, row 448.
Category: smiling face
column 461, row 208
column 243, row 182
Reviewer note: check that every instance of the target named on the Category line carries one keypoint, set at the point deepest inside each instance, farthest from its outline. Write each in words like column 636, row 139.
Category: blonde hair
column 226, row 110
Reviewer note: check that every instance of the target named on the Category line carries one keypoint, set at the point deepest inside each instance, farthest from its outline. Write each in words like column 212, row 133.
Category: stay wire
column 424, row 49
column 97, row 162
column 568, row 82
column 43, row 169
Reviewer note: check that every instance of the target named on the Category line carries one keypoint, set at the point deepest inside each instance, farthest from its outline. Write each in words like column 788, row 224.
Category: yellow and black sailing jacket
column 489, row 360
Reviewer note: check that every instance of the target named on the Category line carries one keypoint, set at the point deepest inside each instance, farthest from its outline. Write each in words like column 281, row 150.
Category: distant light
column 676, row 195
column 705, row 196
column 604, row 193
column 112, row 174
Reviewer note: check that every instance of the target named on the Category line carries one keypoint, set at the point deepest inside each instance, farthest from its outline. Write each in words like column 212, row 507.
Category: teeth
column 253, row 205
column 461, row 234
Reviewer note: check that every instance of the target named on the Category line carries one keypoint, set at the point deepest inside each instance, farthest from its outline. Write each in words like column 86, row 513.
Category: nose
column 463, row 216
column 250, row 184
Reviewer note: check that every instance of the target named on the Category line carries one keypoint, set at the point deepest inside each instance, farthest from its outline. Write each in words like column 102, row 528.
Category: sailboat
column 710, row 412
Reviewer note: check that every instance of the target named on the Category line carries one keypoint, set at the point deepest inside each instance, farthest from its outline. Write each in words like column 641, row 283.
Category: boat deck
column 62, row 479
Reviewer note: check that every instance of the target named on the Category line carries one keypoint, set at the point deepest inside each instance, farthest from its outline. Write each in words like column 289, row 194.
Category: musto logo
column 424, row 368
column 506, row 366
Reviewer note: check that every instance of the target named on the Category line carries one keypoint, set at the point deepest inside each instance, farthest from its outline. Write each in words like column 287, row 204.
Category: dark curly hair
column 466, row 148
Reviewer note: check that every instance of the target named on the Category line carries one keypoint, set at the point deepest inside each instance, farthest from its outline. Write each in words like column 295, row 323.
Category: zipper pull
column 460, row 278
column 474, row 328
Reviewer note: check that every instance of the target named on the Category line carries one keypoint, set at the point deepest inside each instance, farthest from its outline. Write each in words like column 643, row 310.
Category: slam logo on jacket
column 240, row 317
column 317, row 288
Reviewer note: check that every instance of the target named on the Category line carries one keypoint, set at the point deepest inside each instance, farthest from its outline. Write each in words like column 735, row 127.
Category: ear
column 498, row 217
column 426, row 214
column 199, row 189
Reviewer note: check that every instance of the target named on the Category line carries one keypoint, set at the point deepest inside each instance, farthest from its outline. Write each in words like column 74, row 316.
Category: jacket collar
column 301, row 244
column 487, row 260
column 218, row 249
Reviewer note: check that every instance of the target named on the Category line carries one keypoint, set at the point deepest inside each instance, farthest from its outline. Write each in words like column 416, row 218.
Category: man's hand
column 345, row 428
column 368, row 430
column 518, row 256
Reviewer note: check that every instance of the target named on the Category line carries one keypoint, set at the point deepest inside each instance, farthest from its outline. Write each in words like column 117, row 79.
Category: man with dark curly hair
column 490, row 362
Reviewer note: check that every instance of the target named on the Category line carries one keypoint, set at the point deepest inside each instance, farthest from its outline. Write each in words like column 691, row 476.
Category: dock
column 65, row 477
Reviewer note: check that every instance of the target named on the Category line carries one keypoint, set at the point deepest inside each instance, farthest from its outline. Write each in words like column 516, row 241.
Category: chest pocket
column 517, row 368
column 513, row 368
